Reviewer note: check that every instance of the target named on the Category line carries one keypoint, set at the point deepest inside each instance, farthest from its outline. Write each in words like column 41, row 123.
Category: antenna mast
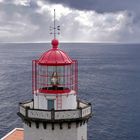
column 54, row 28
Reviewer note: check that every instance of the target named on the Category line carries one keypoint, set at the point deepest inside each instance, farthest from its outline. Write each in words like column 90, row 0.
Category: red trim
column 32, row 77
column 35, row 75
column 54, row 64
column 54, row 91
column 76, row 80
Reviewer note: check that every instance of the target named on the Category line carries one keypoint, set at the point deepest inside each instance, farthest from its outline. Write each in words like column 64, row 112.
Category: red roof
column 15, row 134
column 55, row 56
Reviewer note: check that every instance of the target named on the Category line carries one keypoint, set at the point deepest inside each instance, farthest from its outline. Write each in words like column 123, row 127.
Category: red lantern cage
column 54, row 72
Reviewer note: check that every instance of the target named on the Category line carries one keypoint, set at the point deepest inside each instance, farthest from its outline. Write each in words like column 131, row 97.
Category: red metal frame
column 41, row 79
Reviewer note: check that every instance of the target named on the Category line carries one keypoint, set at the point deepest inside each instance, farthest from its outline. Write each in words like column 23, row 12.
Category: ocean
column 109, row 78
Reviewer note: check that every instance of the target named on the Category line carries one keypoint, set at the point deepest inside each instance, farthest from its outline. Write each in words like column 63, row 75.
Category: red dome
column 55, row 56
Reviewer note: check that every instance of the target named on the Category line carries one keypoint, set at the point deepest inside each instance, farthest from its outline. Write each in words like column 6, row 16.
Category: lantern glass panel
column 48, row 78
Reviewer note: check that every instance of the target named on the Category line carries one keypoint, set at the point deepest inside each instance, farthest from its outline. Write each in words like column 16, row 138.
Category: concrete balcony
column 27, row 112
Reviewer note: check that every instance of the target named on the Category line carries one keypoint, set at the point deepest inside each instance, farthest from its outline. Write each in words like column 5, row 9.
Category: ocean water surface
column 109, row 77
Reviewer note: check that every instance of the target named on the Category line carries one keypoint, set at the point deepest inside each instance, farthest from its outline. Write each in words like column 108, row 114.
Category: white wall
column 40, row 101
column 82, row 132
column 68, row 100
column 74, row 133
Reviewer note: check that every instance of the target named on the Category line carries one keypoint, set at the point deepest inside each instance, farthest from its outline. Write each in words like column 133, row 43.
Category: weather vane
column 55, row 29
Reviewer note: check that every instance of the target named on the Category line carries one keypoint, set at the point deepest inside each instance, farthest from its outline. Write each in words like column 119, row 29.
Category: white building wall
column 68, row 100
column 82, row 132
column 36, row 101
column 73, row 133
column 40, row 101
column 49, row 134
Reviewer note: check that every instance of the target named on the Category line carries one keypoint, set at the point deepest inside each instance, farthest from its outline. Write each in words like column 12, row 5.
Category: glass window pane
column 50, row 104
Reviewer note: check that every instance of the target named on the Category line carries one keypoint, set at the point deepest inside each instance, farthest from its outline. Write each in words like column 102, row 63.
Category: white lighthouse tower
column 55, row 113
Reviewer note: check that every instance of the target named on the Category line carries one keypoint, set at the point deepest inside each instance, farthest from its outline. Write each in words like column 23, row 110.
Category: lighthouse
column 55, row 112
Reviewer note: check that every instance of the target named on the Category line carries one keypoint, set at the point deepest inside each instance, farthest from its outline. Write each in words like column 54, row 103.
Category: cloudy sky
column 80, row 20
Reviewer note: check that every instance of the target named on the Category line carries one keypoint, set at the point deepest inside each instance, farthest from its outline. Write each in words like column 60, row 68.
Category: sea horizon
column 108, row 78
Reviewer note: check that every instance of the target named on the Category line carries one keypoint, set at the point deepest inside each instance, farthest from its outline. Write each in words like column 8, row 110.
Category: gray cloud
column 29, row 21
column 102, row 5
column 19, row 23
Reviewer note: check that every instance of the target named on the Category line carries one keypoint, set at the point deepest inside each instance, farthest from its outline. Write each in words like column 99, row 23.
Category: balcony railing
column 83, row 110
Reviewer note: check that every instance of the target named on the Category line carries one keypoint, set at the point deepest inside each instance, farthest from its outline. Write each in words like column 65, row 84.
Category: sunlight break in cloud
column 78, row 25
column 22, row 2
column 31, row 22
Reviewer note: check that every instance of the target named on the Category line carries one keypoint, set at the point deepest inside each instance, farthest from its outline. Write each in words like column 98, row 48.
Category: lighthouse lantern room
column 55, row 112
column 55, row 80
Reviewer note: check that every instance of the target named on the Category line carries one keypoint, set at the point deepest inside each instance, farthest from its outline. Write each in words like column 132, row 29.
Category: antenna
column 54, row 25
column 54, row 30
